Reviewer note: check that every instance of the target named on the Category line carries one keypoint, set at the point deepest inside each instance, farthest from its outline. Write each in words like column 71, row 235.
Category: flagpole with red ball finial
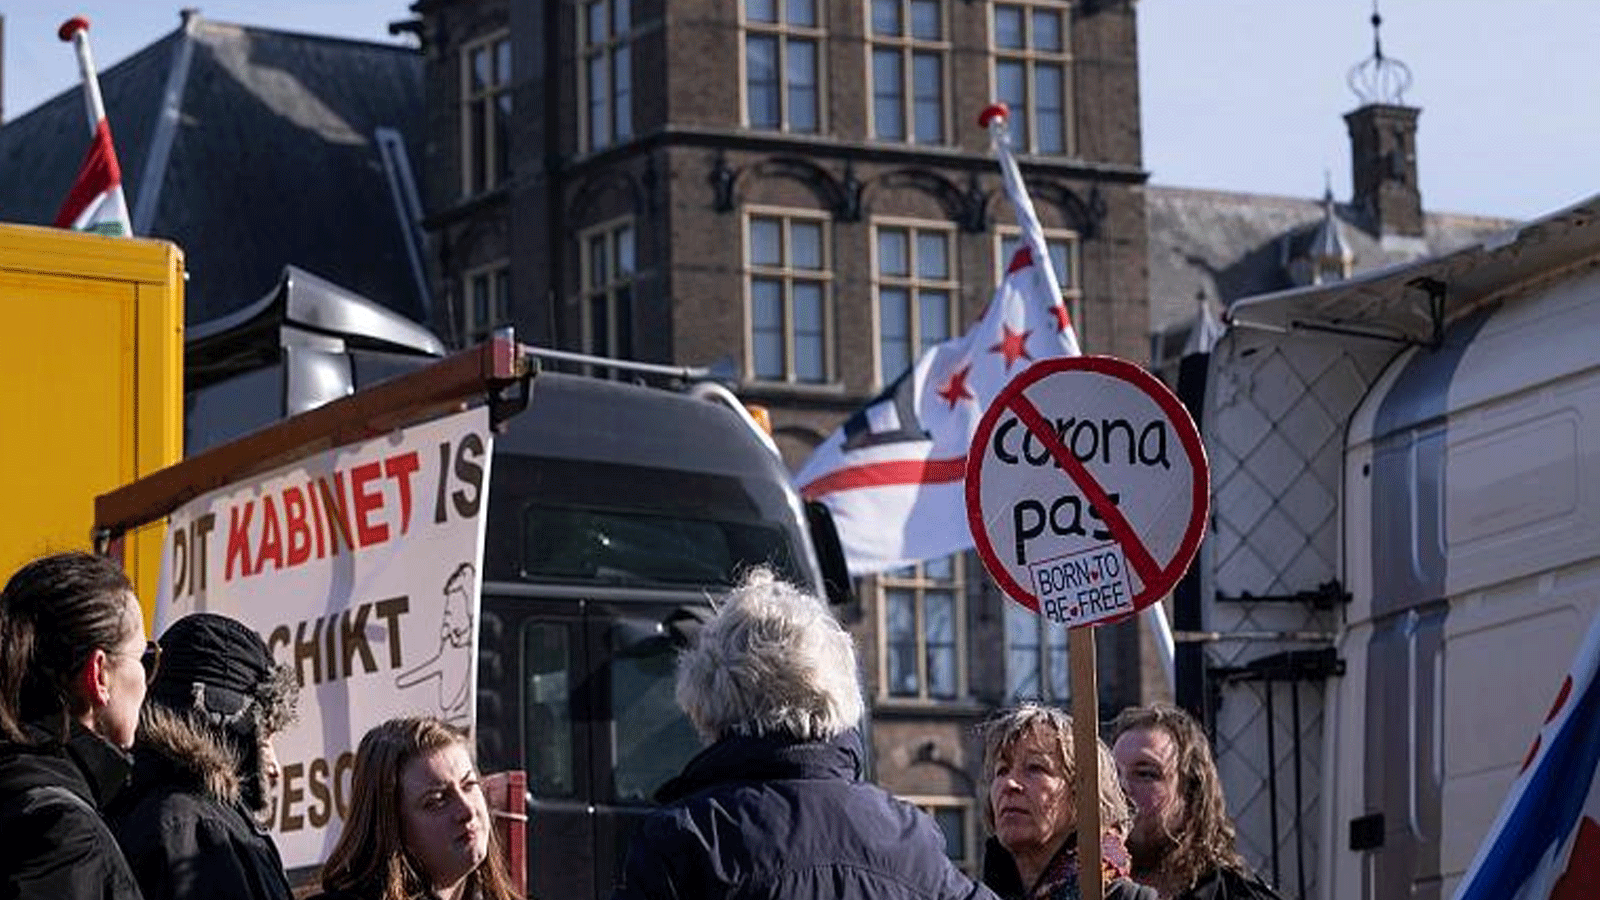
column 75, row 31
column 996, row 118
column 96, row 202
column 1081, row 649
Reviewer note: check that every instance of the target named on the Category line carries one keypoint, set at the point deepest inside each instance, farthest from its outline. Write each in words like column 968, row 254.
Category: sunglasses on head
column 150, row 660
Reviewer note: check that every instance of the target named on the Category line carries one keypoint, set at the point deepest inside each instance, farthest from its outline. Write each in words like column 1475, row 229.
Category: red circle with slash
column 1087, row 489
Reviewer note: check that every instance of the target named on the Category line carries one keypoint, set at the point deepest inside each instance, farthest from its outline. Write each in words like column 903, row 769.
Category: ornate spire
column 1378, row 78
column 1331, row 256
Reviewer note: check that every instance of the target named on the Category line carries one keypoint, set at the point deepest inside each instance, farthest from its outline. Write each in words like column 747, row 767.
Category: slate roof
column 273, row 160
column 1236, row 245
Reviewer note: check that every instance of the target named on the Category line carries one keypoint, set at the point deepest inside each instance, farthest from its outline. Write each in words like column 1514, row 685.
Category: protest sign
column 360, row 569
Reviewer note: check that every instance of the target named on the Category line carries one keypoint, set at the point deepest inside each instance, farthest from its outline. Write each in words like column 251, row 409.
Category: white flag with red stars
column 893, row 475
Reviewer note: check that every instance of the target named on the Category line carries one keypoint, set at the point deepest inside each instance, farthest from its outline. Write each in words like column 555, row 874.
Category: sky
column 1239, row 95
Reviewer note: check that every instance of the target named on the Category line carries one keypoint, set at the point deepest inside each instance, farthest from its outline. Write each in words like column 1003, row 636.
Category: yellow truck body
column 91, row 386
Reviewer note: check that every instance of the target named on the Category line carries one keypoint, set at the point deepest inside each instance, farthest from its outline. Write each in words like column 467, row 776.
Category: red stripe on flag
column 1561, row 700
column 99, row 173
column 1020, row 260
column 887, row 474
column 1581, row 880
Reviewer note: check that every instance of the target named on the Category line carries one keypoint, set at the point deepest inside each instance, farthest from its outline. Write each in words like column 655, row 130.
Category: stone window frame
column 906, row 47
column 933, row 804
column 784, row 34
column 1047, row 653
column 915, row 286
column 605, row 117
column 615, row 287
column 787, row 275
column 495, row 278
column 1069, row 276
column 917, row 583
column 1026, row 137
column 486, row 165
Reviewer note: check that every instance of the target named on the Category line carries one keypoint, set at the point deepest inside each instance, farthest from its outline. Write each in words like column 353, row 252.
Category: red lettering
column 294, row 520
column 239, row 541
column 367, row 502
column 316, row 517
column 401, row 468
column 271, row 536
column 333, row 503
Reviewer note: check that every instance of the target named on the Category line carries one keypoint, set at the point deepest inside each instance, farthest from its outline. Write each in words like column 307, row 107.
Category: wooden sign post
column 1085, row 737
column 1087, row 493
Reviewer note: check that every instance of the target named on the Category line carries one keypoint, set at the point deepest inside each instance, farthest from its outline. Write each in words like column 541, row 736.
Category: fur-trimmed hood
column 187, row 754
column 184, row 824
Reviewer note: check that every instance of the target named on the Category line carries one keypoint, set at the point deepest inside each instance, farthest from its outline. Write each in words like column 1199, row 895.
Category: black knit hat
column 220, row 668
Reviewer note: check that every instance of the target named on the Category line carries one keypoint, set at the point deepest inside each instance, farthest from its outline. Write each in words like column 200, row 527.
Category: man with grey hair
column 776, row 807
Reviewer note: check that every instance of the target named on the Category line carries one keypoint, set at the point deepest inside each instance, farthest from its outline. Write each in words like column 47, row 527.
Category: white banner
column 360, row 568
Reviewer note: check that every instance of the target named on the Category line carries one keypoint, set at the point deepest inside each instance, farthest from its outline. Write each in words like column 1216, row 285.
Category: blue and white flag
column 1545, row 843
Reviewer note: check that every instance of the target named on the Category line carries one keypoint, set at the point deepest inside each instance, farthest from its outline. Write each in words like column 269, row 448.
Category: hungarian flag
column 1545, row 843
column 893, row 474
column 96, row 202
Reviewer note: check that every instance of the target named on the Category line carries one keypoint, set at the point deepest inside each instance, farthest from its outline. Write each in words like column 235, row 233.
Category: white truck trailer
column 1404, row 554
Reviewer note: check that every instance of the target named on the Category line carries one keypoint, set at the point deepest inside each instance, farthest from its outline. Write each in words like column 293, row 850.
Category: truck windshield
column 634, row 548
column 652, row 739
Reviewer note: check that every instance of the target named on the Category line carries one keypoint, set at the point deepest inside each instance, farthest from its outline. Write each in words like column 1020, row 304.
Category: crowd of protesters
column 134, row 768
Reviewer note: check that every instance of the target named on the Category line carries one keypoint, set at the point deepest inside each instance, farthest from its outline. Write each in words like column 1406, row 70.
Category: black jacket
column 56, row 845
column 181, row 824
column 1229, row 884
column 1000, row 874
column 357, row 895
column 774, row 817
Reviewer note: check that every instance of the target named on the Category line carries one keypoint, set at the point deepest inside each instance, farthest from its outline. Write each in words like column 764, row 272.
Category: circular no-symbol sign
column 1086, row 489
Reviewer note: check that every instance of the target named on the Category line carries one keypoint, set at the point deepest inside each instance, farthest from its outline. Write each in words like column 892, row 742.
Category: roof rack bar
column 687, row 373
column 1346, row 331
column 395, row 403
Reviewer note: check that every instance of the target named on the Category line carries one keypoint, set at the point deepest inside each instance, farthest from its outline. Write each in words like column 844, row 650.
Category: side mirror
column 830, row 554
column 636, row 637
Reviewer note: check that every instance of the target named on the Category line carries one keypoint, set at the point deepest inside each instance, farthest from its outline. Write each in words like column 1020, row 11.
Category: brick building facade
column 797, row 195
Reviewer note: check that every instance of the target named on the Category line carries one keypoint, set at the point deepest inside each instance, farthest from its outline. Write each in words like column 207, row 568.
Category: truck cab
column 617, row 514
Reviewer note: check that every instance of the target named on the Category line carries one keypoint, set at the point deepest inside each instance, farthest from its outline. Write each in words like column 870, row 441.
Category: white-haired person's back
column 775, row 806
column 773, row 660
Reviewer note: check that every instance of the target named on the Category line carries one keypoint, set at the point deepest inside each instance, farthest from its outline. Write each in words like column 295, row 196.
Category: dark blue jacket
column 773, row 817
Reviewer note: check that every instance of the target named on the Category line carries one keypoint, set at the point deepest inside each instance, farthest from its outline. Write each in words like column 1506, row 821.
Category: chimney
column 1383, row 167
column 1383, row 143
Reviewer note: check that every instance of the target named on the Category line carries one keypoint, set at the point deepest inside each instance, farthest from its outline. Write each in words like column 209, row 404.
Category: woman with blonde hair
column 419, row 822
column 1029, row 765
